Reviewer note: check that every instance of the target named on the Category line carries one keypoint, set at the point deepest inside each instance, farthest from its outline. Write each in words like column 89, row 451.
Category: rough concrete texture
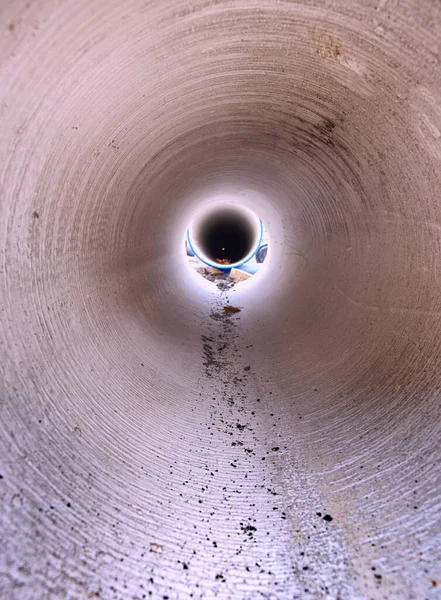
column 152, row 443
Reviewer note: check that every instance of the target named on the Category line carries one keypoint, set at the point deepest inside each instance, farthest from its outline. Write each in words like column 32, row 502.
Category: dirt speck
column 231, row 310
column 249, row 529
column 36, row 215
column 329, row 48
column 156, row 548
column 328, row 125
column 327, row 518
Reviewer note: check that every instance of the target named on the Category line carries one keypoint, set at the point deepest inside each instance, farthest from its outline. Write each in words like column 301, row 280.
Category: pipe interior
column 226, row 231
column 153, row 444
column 227, row 237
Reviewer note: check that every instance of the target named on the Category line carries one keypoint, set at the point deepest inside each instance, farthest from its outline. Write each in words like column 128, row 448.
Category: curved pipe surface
column 152, row 443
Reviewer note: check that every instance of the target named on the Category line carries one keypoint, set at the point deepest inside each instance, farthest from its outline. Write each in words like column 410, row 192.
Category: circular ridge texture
column 152, row 443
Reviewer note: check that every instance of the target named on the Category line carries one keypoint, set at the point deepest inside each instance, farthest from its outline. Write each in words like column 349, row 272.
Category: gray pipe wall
column 153, row 445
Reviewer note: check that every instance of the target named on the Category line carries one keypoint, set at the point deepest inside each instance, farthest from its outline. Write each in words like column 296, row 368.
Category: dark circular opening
column 226, row 239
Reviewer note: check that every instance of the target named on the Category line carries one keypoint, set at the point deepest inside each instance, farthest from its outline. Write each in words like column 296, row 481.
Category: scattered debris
column 223, row 261
column 239, row 275
column 222, row 279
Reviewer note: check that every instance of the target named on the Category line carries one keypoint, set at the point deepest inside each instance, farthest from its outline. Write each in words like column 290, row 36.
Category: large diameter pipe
column 152, row 443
